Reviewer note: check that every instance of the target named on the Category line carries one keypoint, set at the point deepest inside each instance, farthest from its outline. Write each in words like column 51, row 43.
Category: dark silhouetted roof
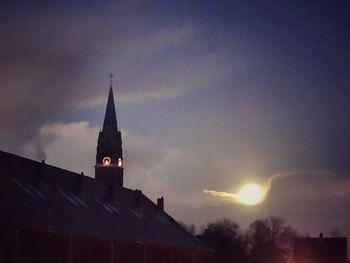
column 320, row 250
column 34, row 194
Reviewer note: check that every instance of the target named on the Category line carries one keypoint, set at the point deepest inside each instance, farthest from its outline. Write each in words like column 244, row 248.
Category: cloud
column 263, row 189
column 311, row 200
column 219, row 194
column 58, row 62
column 277, row 176
column 72, row 146
column 149, row 165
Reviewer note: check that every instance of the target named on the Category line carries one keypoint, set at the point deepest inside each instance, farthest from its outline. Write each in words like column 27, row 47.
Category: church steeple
column 109, row 155
column 110, row 122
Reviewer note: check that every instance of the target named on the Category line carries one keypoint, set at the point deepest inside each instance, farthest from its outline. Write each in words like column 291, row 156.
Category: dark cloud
column 37, row 78
column 53, row 63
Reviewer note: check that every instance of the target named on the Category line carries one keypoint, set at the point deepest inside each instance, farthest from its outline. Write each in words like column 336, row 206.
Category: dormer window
column 120, row 162
column 106, row 161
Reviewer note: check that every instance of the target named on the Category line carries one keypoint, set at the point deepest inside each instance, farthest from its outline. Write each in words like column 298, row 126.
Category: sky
column 209, row 95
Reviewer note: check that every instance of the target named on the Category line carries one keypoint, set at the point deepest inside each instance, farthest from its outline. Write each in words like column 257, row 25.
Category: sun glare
column 251, row 194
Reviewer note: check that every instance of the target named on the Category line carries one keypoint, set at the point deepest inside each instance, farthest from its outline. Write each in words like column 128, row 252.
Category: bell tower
column 109, row 155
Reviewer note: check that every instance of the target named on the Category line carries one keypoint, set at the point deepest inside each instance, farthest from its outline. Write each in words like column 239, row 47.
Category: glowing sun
column 251, row 194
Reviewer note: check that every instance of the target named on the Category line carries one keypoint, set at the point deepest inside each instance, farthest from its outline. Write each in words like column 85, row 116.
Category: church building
column 48, row 214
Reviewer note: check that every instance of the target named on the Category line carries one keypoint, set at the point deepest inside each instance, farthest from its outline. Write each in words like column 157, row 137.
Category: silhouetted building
column 320, row 250
column 48, row 214
column 109, row 155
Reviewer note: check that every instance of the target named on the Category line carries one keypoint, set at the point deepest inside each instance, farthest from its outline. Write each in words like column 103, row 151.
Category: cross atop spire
column 110, row 121
column 111, row 79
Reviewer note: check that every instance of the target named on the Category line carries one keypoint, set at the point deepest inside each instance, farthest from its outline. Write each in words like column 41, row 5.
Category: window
column 138, row 213
column 78, row 199
column 120, row 162
column 108, row 206
column 29, row 189
column 72, row 198
column 36, row 191
column 162, row 218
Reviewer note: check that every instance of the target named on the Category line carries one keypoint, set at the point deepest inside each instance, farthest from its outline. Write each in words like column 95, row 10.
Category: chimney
column 78, row 183
column 137, row 200
column 160, row 204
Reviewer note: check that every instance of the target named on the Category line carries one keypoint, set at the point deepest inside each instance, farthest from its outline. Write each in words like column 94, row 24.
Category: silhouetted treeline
column 265, row 241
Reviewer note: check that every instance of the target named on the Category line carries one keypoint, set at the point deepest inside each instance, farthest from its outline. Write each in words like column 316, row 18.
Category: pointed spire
column 111, row 80
column 110, row 121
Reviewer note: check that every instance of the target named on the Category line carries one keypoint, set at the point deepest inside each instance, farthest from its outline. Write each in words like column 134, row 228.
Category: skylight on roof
column 162, row 218
column 72, row 198
column 108, row 206
column 29, row 189
column 36, row 191
column 138, row 213
column 78, row 199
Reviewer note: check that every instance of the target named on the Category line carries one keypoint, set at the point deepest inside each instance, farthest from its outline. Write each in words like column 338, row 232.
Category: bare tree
column 225, row 238
column 269, row 240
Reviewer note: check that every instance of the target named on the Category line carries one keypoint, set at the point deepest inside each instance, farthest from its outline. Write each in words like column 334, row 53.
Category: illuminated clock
column 120, row 162
column 106, row 161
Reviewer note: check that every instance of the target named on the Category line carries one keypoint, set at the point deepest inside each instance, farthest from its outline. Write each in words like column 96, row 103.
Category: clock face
column 106, row 161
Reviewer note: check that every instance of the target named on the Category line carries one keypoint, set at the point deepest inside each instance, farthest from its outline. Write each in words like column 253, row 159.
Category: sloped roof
column 38, row 195
column 320, row 249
